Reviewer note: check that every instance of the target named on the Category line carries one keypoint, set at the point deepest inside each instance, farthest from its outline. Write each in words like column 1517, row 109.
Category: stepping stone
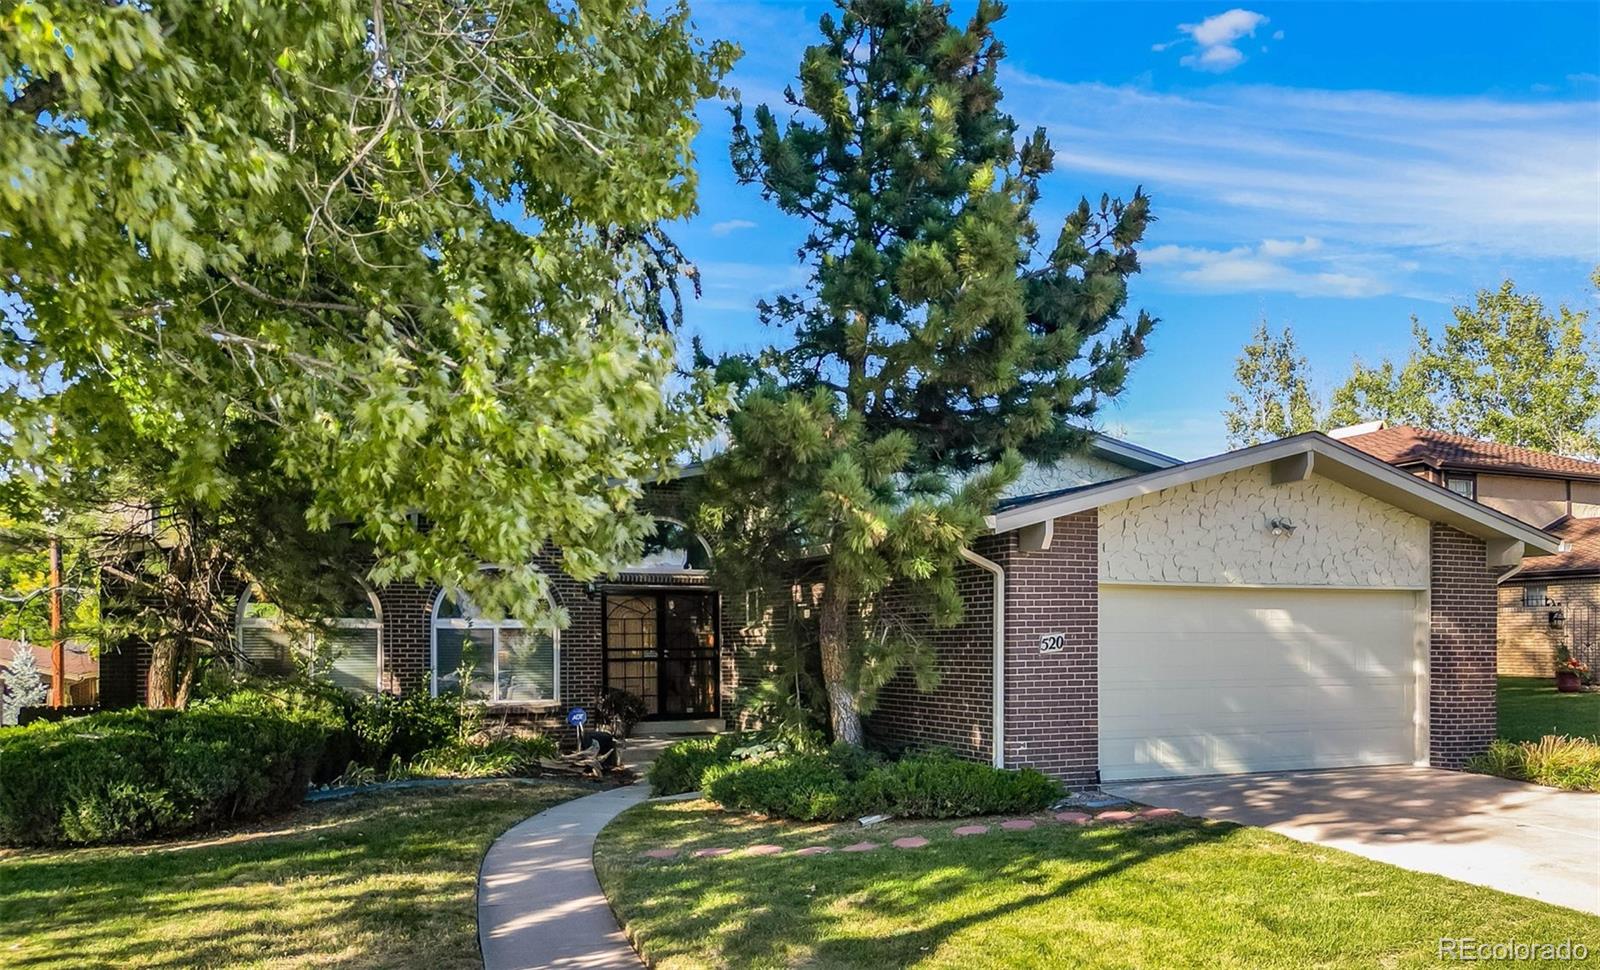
column 969, row 830
column 910, row 842
column 1160, row 813
column 860, row 847
column 1018, row 824
column 660, row 853
column 814, row 850
column 1113, row 816
column 710, row 853
column 763, row 850
column 1076, row 818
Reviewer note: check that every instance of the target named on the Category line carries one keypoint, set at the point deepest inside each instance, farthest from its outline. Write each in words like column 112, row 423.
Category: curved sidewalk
column 539, row 903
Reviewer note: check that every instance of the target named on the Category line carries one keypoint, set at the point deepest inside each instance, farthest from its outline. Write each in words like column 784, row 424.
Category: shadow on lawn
column 776, row 910
column 396, row 869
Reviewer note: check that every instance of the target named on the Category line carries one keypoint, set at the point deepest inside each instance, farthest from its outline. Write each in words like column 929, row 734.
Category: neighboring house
column 1298, row 604
column 82, row 675
column 1550, row 601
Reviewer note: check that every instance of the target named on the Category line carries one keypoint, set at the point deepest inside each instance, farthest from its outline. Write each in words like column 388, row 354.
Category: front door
column 661, row 646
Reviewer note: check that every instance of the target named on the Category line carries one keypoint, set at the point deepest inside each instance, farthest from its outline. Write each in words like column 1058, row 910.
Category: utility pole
column 58, row 648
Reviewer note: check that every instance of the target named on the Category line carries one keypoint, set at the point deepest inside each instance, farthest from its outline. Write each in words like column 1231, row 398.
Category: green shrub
column 1557, row 761
column 508, row 757
column 679, row 768
column 386, row 727
column 804, row 786
column 846, row 783
column 124, row 775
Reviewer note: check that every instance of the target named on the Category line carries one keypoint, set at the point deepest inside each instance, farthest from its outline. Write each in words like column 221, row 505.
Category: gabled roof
column 1407, row 446
column 1129, row 455
column 1295, row 458
column 1583, row 559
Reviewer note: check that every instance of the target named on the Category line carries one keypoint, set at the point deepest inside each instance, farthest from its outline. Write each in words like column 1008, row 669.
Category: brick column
column 1052, row 699
column 1461, row 655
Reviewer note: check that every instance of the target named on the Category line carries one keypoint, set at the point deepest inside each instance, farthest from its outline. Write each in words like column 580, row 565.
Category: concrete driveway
column 1511, row 836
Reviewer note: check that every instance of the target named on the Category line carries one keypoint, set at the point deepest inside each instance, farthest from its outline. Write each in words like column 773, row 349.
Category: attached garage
column 1217, row 680
column 1295, row 605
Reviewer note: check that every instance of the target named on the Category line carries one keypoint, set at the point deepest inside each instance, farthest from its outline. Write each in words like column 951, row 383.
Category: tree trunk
column 834, row 639
column 161, row 680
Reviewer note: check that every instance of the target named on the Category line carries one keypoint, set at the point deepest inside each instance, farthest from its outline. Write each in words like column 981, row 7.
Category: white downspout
column 998, row 730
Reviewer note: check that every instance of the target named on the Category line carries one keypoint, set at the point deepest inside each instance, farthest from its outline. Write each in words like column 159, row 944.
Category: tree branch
column 37, row 96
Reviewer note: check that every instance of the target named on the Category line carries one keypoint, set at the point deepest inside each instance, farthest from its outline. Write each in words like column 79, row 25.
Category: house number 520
column 1052, row 642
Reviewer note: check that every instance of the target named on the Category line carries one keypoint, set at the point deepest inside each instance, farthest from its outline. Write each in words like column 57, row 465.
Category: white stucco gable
column 1219, row 531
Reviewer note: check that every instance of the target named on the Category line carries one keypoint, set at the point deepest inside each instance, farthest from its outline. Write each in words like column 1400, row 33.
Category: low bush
column 504, row 757
column 679, row 768
column 386, row 726
column 122, row 775
column 1557, row 761
column 846, row 783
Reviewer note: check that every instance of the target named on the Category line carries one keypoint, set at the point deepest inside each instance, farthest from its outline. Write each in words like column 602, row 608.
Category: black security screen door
column 662, row 647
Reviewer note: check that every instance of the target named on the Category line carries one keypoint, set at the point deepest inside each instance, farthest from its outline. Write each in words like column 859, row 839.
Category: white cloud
column 1274, row 265
column 1440, row 180
column 1215, row 37
column 1277, row 35
column 731, row 225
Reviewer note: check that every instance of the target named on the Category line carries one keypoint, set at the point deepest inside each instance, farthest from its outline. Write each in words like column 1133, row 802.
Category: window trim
column 435, row 623
column 1469, row 478
column 1544, row 596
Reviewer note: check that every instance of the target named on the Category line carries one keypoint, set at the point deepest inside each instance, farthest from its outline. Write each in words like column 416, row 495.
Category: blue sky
column 1337, row 167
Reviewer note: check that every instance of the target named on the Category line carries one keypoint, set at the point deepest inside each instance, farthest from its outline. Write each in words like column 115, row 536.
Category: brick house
column 1548, row 601
column 1298, row 604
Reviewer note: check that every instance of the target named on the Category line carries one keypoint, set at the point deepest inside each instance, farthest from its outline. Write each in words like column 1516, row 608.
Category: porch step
column 701, row 725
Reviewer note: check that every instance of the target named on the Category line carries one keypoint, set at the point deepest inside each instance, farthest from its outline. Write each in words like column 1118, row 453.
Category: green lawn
column 381, row 880
column 1190, row 894
column 1530, row 708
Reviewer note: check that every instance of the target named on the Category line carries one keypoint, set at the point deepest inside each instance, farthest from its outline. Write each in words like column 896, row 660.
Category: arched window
column 347, row 649
column 500, row 661
column 672, row 548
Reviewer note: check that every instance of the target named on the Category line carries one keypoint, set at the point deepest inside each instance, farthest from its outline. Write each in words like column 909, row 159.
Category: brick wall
column 1052, row 699
column 1527, row 645
column 1461, row 658
column 958, row 713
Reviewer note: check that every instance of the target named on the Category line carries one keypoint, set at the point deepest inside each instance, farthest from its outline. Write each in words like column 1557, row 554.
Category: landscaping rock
column 814, row 850
column 710, row 853
column 1075, row 818
column 1118, row 816
column 764, row 850
column 860, row 847
column 660, row 853
column 1018, row 824
column 1159, row 813
column 910, row 842
column 969, row 830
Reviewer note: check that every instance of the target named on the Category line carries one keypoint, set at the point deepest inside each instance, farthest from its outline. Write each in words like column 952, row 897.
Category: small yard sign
column 577, row 717
column 1052, row 642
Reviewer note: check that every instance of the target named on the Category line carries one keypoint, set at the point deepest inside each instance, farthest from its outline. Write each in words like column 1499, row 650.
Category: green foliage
column 1572, row 764
column 388, row 727
column 1506, row 370
column 680, row 767
column 503, row 757
column 1274, row 399
column 22, row 685
column 390, row 260
column 620, row 710
column 934, row 341
column 133, row 774
column 846, row 783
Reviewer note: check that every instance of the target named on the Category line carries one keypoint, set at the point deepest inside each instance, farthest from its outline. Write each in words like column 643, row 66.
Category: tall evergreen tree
column 1506, row 369
column 1274, row 399
column 935, row 339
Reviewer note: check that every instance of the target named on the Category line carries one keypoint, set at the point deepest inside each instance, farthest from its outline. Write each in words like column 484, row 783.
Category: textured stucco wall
column 1215, row 531
column 1066, row 473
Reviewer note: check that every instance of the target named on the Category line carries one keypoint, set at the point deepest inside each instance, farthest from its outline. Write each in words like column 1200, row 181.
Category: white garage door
column 1205, row 681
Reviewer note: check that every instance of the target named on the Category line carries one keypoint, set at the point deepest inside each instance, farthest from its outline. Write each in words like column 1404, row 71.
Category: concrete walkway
column 1507, row 835
column 539, row 903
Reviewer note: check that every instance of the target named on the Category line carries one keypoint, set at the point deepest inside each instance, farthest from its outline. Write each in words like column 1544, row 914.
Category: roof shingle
column 1582, row 559
column 1407, row 445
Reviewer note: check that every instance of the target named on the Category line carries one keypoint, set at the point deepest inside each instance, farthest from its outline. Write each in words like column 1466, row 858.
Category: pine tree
column 24, row 685
column 935, row 341
column 1274, row 399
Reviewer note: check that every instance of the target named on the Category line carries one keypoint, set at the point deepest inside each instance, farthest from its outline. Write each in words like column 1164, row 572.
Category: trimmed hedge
column 846, row 783
column 681, row 766
column 123, row 775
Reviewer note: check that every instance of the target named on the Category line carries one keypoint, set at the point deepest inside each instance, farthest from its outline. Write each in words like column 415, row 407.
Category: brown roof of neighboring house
column 80, row 663
column 1582, row 559
column 1405, row 445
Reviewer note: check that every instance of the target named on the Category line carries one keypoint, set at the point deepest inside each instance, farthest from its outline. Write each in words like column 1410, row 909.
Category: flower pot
column 1568, row 682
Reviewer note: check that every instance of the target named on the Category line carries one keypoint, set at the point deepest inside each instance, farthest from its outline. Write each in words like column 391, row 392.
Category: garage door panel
column 1213, row 681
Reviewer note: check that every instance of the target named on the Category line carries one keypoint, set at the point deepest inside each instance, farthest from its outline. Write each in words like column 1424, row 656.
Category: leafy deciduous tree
column 409, row 251
column 1274, row 399
column 934, row 342
column 1505, row 369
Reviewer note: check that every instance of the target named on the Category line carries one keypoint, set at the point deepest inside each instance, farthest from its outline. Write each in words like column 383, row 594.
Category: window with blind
column 500, row 661
column 346, row 649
